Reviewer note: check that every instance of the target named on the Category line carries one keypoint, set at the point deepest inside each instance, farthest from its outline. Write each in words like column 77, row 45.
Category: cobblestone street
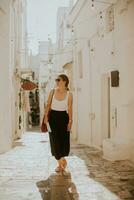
column 27, row 173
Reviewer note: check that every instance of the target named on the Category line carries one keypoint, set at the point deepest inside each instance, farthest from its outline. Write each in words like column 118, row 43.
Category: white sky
column 41, row 20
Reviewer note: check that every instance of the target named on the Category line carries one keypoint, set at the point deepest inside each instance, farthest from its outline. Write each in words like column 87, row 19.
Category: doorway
column 105, row 107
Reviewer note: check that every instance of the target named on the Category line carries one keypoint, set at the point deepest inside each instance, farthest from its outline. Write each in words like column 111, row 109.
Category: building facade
column 33, row 64
column 46, row 49
column 13, row 58
column 103, row 75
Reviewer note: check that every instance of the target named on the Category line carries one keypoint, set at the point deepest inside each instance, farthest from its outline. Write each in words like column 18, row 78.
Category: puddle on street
column 58, row 186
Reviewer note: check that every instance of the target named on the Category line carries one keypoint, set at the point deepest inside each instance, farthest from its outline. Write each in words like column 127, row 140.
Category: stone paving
column 27, row 173
column 117, row 177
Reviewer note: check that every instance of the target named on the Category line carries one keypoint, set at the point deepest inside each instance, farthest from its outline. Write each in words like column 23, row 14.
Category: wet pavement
column 27, row 173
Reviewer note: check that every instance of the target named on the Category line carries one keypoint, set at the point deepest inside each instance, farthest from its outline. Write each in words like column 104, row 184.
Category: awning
column 28, row 85
column 67, row 65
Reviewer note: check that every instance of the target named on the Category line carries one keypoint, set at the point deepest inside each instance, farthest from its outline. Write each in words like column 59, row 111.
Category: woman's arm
column 70, row 112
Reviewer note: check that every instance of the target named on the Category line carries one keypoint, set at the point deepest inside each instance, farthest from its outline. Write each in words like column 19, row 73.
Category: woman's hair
column 64, row 78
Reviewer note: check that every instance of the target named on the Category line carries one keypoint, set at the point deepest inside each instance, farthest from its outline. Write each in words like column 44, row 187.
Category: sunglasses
column 57, row 79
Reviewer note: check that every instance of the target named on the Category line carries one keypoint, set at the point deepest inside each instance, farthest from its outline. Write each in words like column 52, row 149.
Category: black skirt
column 59, row 136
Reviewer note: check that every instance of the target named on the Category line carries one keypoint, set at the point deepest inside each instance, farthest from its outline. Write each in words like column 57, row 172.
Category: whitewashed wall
column 121, row 146
column 10, row 59
column 18, row 57
column 104, row 51
column 45, row 58
column 5, row 79
column 63, row 40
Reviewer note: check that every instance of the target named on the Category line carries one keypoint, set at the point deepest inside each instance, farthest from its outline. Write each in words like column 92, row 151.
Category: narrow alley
column 27, row 173
column 66, row 66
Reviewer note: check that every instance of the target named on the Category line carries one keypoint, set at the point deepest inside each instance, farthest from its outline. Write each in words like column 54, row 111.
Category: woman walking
column 60, row 120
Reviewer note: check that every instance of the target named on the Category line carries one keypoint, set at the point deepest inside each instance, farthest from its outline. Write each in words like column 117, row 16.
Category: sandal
column 64, row 164
column 58, row 169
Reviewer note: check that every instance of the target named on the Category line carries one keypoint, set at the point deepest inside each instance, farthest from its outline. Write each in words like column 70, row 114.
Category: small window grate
column 110, row 19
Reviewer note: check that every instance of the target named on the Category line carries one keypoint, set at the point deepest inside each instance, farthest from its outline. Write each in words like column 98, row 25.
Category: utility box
column 114, row 78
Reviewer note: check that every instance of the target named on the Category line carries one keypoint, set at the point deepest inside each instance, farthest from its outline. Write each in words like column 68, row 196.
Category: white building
column 46, row 49
column 34, row 64
column 12, row 58
column 64, row 53
column 72, row 3
column 103, row 43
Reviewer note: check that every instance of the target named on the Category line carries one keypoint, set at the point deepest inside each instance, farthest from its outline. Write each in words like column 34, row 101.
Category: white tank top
column 60, row 105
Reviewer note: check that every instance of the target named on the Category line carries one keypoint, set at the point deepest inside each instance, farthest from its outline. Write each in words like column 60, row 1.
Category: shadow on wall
column 58, row 186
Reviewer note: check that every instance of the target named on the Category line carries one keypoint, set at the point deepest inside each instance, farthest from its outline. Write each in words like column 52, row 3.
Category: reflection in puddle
column 58, row 186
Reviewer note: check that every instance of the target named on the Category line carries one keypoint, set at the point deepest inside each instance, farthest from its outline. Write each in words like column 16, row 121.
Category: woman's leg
column 63, row 163
column 59, row 162
column 58, row 168
column 59, row 137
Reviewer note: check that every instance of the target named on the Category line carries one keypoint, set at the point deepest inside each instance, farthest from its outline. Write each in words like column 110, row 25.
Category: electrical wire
column 86, row 20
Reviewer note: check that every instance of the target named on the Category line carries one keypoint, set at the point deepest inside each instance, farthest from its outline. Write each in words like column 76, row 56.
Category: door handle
column 92, row 115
